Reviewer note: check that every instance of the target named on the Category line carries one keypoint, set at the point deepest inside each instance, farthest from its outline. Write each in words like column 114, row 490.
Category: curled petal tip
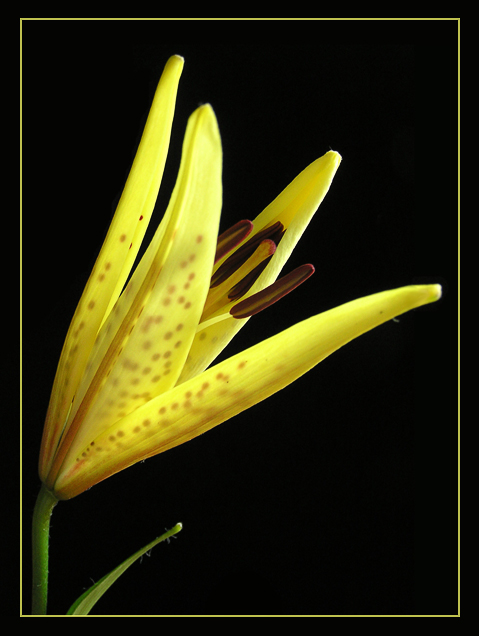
column 332, row 159
column 178, row 59
column 436, row 292
column 206, row 115
column 334, row 154
column 429, row 293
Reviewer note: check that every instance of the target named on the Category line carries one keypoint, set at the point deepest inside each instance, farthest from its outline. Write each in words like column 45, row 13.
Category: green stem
column 40, row 539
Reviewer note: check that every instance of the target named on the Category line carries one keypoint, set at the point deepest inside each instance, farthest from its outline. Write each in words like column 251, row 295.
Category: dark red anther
column 241, row 255
column 245, row 285
column 232, row 237
column 267, row 297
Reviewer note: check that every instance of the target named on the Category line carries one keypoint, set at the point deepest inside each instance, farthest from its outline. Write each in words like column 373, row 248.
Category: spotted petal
column 116, row 257
column 230, row 387
column 292, row 209
column 145, row 341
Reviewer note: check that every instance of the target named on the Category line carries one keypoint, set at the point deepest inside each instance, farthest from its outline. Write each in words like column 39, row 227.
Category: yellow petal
column 115, row 259
column 146, row 341
column 231, row 387
column 294, row 208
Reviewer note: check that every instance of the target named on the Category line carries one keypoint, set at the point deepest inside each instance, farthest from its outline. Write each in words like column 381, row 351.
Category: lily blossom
column 134, row 377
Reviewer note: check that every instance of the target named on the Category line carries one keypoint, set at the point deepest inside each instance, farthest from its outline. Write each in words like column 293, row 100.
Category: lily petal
column 116, row 257
column 230, row 387
column 148, row 335
column 294, row 209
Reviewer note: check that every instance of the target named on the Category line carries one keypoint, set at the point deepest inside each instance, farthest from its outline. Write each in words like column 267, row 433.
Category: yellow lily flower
column 134, row 376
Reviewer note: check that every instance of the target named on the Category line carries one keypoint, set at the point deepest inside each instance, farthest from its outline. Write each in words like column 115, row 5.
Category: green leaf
column 83, row 604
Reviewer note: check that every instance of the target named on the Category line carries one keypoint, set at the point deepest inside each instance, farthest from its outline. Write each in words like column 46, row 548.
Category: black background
column 339, row 494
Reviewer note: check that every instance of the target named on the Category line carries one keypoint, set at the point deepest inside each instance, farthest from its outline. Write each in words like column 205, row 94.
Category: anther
column 241, row 255
column 232, row 237
column 237, row 282
column 267, row 297
column 246, row 283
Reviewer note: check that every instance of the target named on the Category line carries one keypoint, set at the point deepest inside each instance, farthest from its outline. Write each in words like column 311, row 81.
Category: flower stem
column 40, row 539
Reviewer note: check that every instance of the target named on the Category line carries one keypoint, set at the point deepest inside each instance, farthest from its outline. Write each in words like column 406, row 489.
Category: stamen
column 241, row 255
column 267, row 297
column 219, row 296
column 246, row 283
column 232, row 237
